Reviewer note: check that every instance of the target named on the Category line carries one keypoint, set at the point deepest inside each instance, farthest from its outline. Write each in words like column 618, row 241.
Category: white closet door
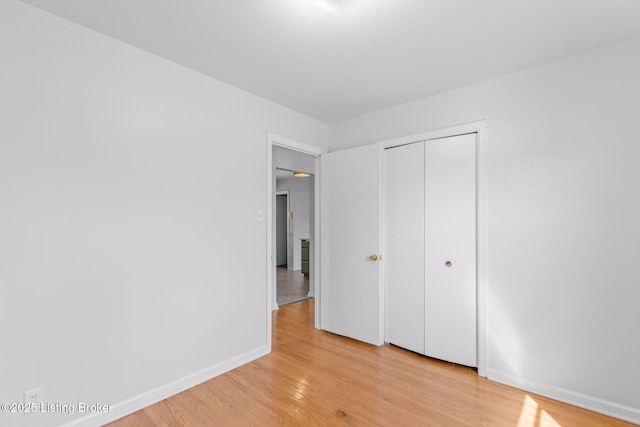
column 404, row 245
column 450, row 249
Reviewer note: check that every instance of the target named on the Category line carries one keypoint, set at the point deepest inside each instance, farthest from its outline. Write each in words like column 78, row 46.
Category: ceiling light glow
column 335, row 7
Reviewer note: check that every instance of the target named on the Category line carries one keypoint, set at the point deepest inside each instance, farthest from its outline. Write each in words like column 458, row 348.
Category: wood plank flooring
column 314, row 378
column 293, row 286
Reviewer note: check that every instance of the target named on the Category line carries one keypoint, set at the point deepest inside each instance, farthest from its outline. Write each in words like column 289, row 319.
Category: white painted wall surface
column 293, row 160
column 563, row 231
column 301, row 224
column 132, row 261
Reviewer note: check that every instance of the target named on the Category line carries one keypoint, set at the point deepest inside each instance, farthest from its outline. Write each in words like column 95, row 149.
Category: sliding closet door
column 450, row 249
column 404, row 245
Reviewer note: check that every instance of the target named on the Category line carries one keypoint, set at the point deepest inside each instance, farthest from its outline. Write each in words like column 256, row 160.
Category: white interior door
column 450, row 249
column 404, row 245
column 350, row 293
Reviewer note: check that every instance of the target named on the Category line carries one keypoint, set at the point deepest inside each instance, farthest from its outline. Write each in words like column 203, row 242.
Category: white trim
column 150, row 397
column 591, row 403
column 315, row 292
column 473, row 127
column 479, row 129
column 274, row 140
column 382, row 302
column 281, row 141
column 482, row 248
column 272, row 303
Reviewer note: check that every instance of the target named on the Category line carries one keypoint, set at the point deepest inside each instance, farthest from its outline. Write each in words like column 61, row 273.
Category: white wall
column 563, row 219
column 284, row 158
column 128, row 196
column 301, row 192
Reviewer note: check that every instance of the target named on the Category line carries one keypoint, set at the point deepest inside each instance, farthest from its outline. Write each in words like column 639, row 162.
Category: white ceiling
column 378, row 54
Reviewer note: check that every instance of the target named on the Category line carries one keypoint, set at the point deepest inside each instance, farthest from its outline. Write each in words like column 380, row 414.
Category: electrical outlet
column 33, row 396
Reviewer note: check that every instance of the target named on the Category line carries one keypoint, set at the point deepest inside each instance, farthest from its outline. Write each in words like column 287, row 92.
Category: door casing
column 274, row 140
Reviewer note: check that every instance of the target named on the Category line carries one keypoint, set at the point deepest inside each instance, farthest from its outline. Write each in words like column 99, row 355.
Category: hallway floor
column 293, row 286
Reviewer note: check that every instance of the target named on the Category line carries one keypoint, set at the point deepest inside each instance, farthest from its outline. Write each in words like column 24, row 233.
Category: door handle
column 448, row 263
column 373, row 257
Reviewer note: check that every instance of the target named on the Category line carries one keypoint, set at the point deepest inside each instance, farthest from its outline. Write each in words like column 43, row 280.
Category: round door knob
column 448, row 263
column 373, row 257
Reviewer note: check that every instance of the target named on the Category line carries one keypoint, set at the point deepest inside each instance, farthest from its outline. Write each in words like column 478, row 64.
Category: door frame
column 479, row 128
column 274, row 140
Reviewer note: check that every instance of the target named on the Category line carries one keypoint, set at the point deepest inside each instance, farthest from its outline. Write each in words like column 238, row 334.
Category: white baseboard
column 150, row 397
column 275, row 306
column 311, row 294
column 591, row 403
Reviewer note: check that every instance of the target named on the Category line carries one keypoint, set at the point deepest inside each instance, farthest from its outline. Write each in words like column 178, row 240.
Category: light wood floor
column 293, row 286
column 314, row 378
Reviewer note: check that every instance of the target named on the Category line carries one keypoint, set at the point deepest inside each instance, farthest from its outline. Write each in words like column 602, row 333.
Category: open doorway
column 293, row 232
column 284, row 153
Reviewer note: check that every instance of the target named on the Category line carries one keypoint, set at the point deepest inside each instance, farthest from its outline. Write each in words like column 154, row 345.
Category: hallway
column 293, row 286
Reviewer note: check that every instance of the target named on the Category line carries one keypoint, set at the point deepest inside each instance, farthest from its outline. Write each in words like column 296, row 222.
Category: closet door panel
column 403, row 257
column 450, row 249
